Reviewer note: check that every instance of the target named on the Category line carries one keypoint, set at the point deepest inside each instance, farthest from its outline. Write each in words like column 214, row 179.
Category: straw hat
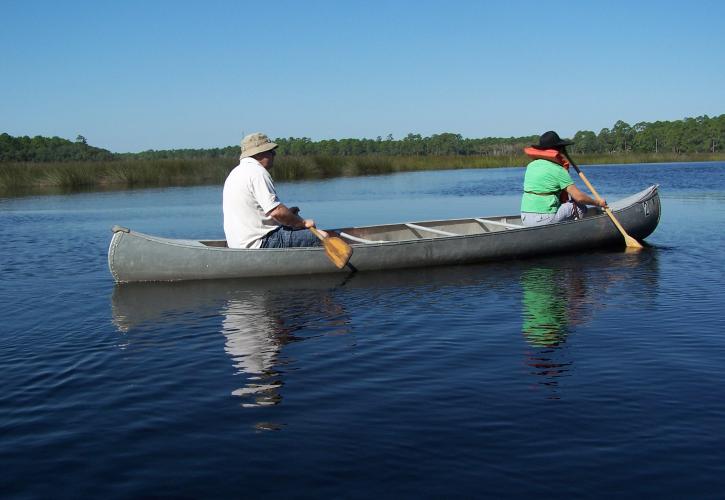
column 255, row 143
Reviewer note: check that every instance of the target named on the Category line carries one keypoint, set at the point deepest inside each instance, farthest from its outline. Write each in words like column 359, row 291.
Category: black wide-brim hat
column 551, row 140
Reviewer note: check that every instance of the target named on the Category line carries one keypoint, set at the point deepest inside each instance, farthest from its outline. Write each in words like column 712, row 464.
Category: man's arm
column 581, row 197
column 289, row 218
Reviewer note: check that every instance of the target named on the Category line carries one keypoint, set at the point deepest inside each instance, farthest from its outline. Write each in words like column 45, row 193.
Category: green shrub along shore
column 21, row 177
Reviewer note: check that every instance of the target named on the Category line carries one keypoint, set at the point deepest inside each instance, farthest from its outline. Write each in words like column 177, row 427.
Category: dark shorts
column 285, row 237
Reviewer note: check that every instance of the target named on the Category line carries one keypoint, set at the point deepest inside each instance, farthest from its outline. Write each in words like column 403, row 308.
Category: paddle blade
column 632, row 243
column 628, row 240
column 337, row 251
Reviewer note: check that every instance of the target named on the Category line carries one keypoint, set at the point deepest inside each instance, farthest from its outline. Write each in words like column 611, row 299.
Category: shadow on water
column 259, row 317
column 559, row 295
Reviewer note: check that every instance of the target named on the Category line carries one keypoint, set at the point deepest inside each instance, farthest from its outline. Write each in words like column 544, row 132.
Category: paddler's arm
column 288, row 218
column 583, row 198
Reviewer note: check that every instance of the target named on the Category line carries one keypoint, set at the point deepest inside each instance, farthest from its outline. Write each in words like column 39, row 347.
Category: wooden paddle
column 631, row 242
column 336, row 249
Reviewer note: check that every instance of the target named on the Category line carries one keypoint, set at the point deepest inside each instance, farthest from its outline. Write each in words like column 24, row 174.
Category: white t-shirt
column 248, row 196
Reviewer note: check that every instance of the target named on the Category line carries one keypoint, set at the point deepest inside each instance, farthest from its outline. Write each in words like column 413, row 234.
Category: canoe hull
column 139, row 257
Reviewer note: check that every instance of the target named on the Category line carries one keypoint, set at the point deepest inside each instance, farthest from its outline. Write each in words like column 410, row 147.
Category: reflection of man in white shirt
column 251, row 335
column 253, row 215
column 252, row 341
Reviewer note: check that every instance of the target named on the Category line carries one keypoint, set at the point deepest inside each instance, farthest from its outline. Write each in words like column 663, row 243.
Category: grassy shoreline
column 21, row 178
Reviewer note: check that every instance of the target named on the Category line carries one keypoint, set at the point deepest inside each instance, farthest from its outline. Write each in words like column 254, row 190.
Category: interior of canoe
column 427, row 230
column 437, row 229
column 422, row 230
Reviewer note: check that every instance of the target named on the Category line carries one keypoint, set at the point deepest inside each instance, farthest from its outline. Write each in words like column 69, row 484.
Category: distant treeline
column 49, row 149
column 703, row 134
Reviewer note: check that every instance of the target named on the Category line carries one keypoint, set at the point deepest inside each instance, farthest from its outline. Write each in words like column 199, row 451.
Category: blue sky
column 136, row 75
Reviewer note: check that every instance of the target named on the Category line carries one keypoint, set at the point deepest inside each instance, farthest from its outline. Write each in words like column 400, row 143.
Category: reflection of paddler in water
column 256, row 327
column 551, row 300
column 545, row 304
column 557, row 296
column 253, row 341
column 258, row 318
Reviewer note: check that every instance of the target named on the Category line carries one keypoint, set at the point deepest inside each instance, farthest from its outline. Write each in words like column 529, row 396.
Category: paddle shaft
column 631, row 242
column 316, row 233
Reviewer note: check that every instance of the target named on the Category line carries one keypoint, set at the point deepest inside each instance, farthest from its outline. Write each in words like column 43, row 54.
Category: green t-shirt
column 543, row 176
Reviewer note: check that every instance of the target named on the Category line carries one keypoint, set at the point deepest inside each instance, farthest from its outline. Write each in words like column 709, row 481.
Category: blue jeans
column 285, row 237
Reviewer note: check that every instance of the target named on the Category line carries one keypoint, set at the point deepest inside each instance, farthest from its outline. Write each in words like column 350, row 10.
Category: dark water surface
column 593, row 375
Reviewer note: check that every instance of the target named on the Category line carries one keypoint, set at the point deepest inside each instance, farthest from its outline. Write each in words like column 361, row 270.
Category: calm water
column 579, row 376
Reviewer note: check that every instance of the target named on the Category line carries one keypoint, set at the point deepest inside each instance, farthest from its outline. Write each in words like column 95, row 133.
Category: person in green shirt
column 550, row 195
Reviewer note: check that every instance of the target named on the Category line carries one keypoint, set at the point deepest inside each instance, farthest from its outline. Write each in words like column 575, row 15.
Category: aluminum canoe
column 134, row 256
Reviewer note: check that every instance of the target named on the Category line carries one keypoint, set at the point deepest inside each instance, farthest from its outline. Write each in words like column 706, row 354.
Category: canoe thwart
column 497, row 223
column 430, row 230
column 360, row 240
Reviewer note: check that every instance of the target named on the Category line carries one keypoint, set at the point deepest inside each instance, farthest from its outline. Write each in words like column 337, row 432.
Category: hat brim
column 259, row 149
column 555, row 145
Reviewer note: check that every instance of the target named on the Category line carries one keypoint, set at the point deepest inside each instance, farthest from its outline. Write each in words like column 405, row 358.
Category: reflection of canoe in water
column 137, row 303
column 135, row 256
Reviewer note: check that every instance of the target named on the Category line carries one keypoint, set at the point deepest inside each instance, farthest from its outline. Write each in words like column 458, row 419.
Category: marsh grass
column 626, row 158
column 135, row 173
column 72, row 176
column 365, row 165
column 13, row 178
column 119, row 174
column 292, row 169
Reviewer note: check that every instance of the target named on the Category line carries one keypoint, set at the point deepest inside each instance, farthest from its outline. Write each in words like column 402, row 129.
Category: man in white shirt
column 253, row 215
